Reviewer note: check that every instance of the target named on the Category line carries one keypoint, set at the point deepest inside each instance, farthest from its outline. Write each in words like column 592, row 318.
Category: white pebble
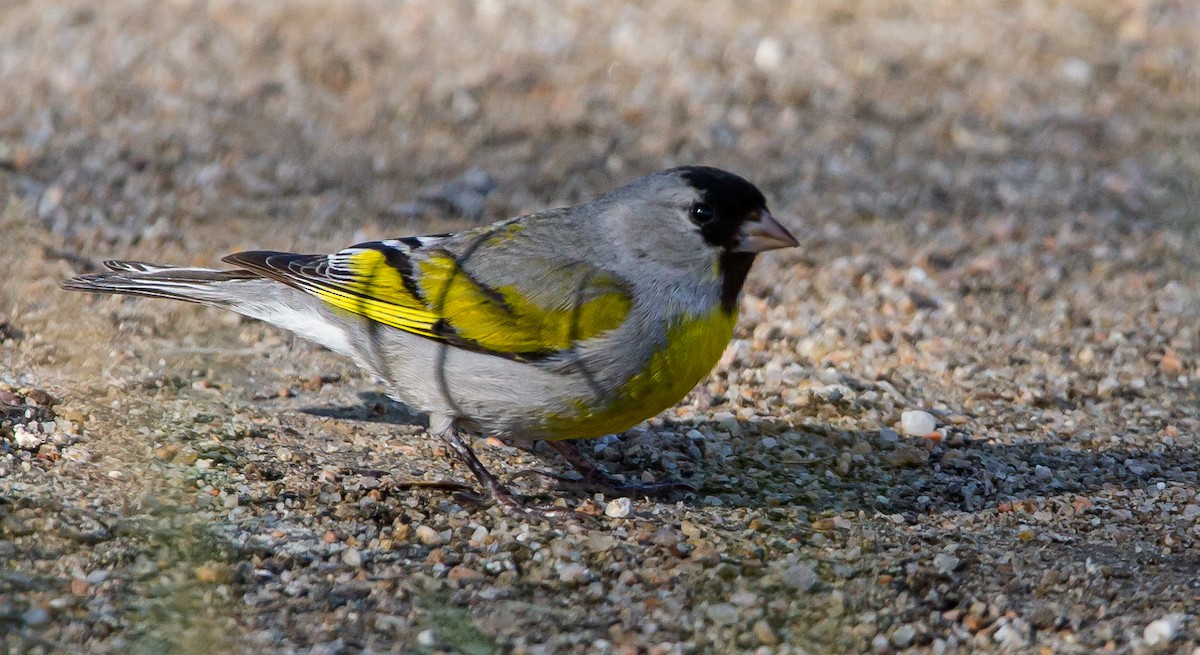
column 946, row 563
column 572, row 573
column 429, row 536
column 618, row 508
column 26, row 438
column 1162, row 630
column 427, row 638
column 917, row 423
column 769, row 54
column 352, row 557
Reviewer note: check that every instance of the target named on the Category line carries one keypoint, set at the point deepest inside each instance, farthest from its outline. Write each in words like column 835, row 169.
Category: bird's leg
column 498, row 492
column 597, row 479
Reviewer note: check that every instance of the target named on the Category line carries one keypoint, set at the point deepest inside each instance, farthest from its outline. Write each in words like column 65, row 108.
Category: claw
column 499, row 494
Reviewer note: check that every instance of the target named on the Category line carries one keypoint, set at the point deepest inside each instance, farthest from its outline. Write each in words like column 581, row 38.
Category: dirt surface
column 999, row 212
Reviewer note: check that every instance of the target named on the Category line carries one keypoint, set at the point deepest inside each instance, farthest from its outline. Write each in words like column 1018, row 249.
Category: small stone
column 213, row 573
column 461, row 572
column 800, row 577
column 722, row 614
column 1164, row 630
column 744, row 599
column 35, row 616
column 764, row 633
column 903, row 636
column 769, row 54
column 946, row 563
column 572, row 573
column 880, row 644
column 618, row 508
column 429, row 536
column 167, row 452
column 1014, row 635
column 1043, row 472
column 352, row 557
column 26, row 438
column 917, row 423
column 1170, row 363
column 427, row 638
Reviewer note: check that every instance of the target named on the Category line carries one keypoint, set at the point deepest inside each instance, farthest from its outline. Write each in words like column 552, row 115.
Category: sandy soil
column 999, row 213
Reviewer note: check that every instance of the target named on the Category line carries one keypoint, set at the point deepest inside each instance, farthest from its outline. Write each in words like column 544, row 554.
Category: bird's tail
column 200, row 285
column 237, row 290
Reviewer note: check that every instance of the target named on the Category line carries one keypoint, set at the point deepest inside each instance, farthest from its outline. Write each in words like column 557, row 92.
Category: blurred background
column 130, row 121
column 999, row 210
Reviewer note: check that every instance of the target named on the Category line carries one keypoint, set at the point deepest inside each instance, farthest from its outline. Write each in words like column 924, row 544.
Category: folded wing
column 542, row 305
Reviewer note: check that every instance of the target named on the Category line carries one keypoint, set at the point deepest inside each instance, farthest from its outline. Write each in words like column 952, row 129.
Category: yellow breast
column 692, row 348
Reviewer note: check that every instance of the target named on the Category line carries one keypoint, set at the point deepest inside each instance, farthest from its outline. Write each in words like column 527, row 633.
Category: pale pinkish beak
column 763, row 234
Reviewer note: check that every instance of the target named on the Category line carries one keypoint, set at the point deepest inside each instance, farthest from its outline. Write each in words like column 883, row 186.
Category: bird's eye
column 701, row 213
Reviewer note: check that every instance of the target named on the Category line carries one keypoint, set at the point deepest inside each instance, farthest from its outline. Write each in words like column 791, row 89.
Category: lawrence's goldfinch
column 565, row 324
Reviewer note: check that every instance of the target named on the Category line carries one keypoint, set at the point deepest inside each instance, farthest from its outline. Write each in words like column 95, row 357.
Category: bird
column 565, row 324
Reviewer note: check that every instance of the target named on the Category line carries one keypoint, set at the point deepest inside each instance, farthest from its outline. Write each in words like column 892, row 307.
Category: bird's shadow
column 824, row 469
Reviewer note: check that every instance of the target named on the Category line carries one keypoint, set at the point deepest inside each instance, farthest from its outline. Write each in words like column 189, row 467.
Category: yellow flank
column 377, row 292
column 504, row 320
column 691, row 351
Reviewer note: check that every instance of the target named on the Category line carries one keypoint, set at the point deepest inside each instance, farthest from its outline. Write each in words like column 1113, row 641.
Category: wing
column 371, row 279
column 469, row 290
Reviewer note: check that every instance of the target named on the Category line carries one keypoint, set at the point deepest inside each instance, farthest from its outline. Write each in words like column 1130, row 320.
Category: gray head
column 696, row 220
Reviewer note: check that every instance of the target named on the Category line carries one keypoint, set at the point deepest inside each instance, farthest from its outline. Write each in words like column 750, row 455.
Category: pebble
column 618, row 508
column 427, row 638
column 1161, row 631
column 212, row 573
column 573, row 573
column 903, row 636
column 352, row 557
column 35, row 616
column 25, row 438
column 917, row 423
column 429, row 536
column 1014, row 635
column 800, row 577
column 946, row 563
column 723, row 614
column 765, row 633
column 461, row 572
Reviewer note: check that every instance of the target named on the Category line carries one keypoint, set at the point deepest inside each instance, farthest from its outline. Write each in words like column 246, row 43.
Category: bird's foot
column 497, row 492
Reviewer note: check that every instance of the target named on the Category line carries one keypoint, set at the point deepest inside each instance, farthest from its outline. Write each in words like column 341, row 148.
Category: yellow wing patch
column 375, row 289
column 502, row 319
column 451, row 305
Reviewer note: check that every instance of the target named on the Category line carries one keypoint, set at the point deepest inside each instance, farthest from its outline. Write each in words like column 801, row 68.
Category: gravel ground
column 963, row 417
